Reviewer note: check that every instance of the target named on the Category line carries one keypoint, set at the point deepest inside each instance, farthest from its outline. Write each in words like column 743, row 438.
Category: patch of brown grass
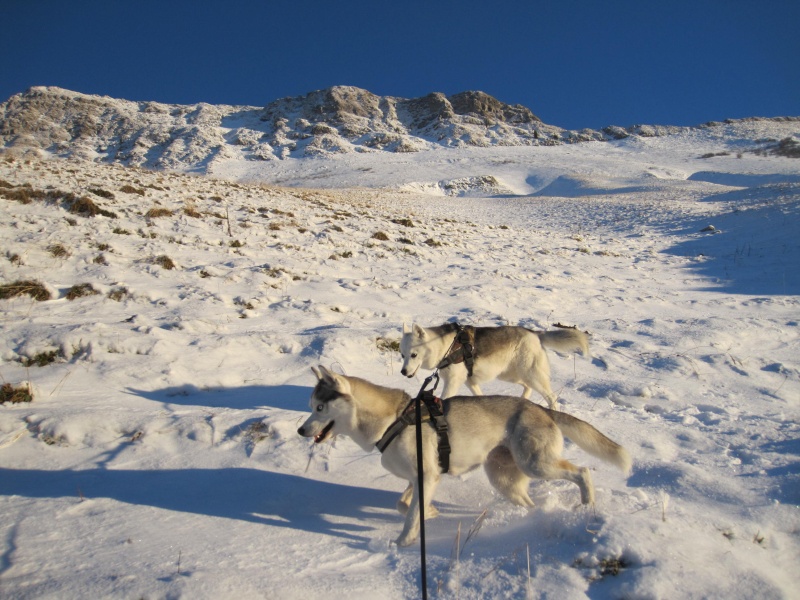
column 34, row 289
column 164, row 262
column 81, row 290
column 12, row 395
column 155, row 213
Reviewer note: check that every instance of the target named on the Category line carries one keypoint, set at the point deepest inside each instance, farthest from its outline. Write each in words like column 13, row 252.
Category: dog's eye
column 413, row 355
column 320, row 407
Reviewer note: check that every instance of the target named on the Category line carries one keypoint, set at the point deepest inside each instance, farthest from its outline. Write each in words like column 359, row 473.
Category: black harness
column 433, row 414
column 462, row 348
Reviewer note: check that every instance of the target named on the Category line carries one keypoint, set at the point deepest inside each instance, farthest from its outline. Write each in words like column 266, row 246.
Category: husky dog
column 514, row 439
column 513, row 354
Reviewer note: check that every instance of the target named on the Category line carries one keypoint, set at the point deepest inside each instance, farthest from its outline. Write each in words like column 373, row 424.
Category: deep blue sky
column 574, row 63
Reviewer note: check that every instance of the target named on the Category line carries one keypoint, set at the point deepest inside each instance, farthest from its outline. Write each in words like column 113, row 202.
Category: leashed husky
column 513, row 354
column 514, row 439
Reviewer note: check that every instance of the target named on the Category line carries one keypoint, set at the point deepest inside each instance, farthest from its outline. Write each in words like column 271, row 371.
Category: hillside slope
column 330, row 122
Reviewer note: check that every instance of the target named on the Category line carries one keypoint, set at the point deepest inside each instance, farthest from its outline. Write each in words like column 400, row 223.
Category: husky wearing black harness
column 515, row 440
column 512, row 354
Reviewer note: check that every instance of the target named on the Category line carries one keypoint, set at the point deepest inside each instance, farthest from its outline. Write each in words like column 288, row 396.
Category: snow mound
column 476, row 186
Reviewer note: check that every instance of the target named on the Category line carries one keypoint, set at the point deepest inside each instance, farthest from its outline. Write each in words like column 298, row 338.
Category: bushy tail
column 592, row 441
column 565, row 340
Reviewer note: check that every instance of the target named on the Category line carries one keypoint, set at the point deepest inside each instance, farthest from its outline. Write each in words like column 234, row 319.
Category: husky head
column 330, row 402
column 415, row 350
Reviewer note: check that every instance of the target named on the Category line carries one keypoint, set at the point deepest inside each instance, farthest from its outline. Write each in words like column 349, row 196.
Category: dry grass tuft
column 154, row 213
column 81, row 290
column 86, row 207
column 34, row 289
column 129, row 189
column 164, row 262
column 12, row 395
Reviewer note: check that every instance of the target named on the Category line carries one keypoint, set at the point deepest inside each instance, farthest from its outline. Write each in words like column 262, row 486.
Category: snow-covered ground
column 159, row 457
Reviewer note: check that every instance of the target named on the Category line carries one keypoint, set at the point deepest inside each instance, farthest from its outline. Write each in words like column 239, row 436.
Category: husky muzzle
column 319, row 437
column 405, row 373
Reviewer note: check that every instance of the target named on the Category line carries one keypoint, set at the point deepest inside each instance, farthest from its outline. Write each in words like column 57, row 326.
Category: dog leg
column 453, row 380
column 431, row 512
column 563, row 469
column 474, row 388
column 506, row 477
column 405, row 500
column 538, row 378
column 543, row 387
column 411, row 526
column 586, row 486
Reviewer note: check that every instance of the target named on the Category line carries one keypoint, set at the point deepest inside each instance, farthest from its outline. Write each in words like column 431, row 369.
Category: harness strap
column 434, row 406
column 436, row 418
column 462, row 349
column 394, row 430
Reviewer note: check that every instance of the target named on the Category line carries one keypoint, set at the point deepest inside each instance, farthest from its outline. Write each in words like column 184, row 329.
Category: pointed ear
column 336, row 381
column 324, row 373
column 317, row 372
column 419, row 331
column 406, row 328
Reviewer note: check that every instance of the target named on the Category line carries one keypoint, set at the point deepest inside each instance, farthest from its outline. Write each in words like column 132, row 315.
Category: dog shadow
column 249, row 397
column 256, row 496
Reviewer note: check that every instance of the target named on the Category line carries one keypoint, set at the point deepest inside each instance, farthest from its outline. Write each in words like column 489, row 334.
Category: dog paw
column 404, row 541
column 587, row 507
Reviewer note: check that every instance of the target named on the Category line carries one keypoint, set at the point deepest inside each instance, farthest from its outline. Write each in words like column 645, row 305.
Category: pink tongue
column 319, row 437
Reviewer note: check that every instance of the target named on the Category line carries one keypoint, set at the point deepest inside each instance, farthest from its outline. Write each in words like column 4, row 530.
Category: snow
column 160, row 459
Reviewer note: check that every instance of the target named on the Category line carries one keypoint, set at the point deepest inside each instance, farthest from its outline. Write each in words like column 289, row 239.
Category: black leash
column 427, row 396
column 440, row 424
column 420, row 477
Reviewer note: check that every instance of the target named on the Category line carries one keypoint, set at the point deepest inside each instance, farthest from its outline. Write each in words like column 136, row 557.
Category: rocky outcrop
column 337, row 120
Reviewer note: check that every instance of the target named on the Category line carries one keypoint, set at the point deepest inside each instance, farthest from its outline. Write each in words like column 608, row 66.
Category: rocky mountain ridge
column 336, row 120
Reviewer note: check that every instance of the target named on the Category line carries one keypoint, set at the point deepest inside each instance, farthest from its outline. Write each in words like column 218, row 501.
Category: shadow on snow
column 263, row 497
column 753, row 248
column 284, row 397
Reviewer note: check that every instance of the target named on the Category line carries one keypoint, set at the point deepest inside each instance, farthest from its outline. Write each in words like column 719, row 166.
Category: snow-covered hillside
column 337, row 121
column 169, row 351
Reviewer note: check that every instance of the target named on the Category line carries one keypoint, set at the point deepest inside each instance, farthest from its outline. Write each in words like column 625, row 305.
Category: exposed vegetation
column 129, row 189
column 42, row 359
column 15, row 395
column 81, row 290
column 102, row 193
column 34, row 289
column 164, row 262
column 157, row 212
column 118, row 294
column 86, row 207
column 387, row 345
column 58, row 251
column 787, row 147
